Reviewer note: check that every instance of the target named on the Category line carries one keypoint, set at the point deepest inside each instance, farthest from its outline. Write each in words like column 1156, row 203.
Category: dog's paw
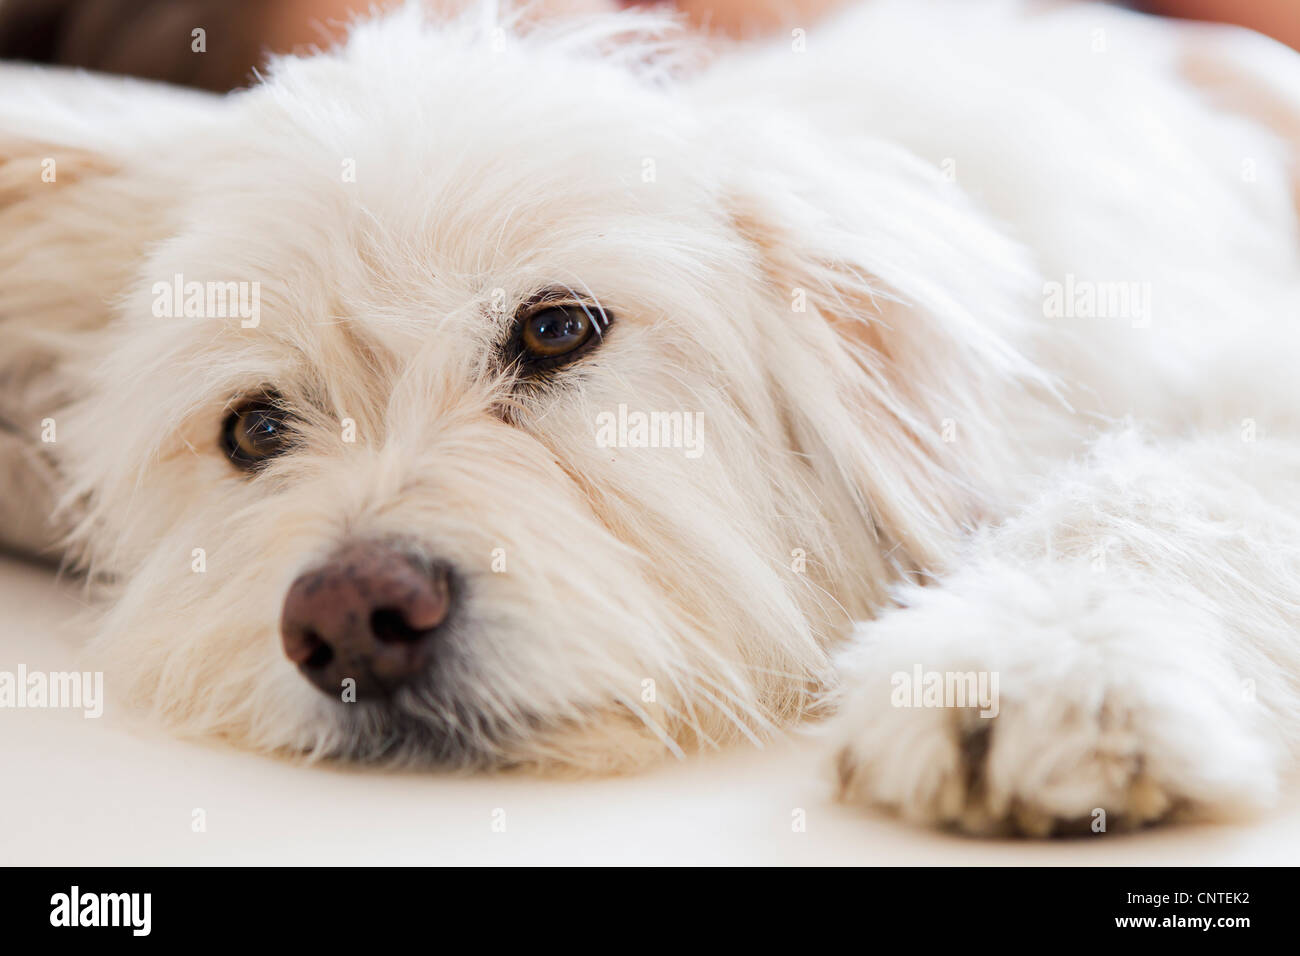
column 1099, row 715
column 1018, row 774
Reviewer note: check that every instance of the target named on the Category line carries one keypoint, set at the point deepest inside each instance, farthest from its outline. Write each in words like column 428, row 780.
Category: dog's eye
column 552, row 334
column 255, row 431
column 556, row 331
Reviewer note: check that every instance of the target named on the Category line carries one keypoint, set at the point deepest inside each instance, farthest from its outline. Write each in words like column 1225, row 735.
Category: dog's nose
column 370, row 613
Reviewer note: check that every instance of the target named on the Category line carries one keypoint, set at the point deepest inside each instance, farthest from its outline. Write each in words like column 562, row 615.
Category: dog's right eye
column 551, row 332
column 256, row 431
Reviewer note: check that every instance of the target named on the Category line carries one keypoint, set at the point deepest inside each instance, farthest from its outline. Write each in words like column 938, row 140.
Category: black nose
column 370, row 613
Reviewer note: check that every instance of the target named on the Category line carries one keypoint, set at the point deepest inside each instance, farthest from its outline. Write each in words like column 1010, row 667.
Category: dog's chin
column 428, row 723
column 452, row 720
column 403, row 733
column 449, row 719
column 399, row 733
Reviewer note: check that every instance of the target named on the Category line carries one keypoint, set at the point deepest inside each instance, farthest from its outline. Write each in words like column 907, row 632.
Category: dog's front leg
column 1123, row 652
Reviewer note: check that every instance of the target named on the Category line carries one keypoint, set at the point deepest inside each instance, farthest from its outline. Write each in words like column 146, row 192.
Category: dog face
column 548, row 430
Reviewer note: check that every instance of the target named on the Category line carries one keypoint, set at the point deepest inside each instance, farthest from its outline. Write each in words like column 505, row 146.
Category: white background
column 117, row 791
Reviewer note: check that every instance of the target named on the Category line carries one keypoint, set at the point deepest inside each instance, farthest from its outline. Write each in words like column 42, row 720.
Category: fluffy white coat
column 989, row 313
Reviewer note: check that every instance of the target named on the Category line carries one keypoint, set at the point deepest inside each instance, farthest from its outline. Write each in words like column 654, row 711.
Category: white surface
column 114, row 791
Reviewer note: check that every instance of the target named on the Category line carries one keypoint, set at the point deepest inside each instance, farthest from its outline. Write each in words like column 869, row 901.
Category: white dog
column 542, row 396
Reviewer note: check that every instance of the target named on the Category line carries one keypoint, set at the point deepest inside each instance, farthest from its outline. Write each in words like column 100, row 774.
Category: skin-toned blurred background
column 151, row 38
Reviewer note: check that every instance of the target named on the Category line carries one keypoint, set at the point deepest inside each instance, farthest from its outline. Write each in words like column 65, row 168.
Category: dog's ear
column 87, row 181
column 909, row 311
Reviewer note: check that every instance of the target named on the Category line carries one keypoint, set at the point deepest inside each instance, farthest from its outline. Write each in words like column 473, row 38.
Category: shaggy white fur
column 987, row 312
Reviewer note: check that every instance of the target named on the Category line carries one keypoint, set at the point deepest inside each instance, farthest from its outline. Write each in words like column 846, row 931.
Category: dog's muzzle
column 371, row 613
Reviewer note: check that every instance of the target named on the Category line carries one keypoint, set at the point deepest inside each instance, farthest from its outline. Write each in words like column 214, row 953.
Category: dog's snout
column 371, row 613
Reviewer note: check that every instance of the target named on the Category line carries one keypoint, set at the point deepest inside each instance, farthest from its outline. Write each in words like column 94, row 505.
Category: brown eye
column 255, row 431
column 554, row 334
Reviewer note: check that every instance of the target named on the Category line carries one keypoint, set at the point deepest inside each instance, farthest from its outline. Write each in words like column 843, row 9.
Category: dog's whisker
column 653, row 726
column 688, row 713
column 740, row 723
